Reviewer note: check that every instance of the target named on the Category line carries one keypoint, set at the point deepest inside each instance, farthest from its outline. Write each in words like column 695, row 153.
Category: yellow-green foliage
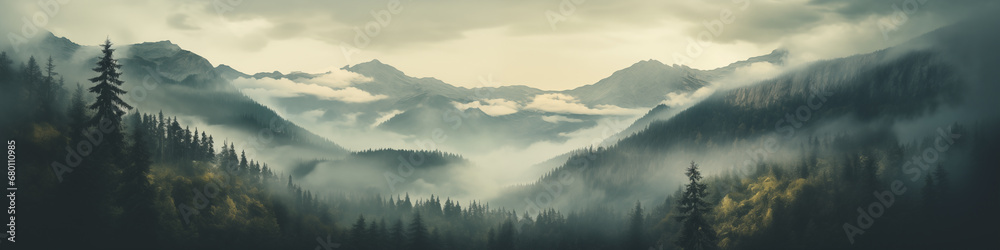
column 237, row 208
column 44, row 134
column 747, row 212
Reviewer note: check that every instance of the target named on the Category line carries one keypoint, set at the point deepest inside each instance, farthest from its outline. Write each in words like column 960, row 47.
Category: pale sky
column 548, row 44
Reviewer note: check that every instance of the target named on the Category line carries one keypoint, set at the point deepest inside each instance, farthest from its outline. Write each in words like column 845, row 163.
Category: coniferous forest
column 151, row 146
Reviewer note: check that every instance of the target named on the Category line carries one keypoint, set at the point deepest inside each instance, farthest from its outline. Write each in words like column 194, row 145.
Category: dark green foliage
column 109, row 104
column 254, row 208
column 696, row 232
column 419, row 238
column 136, row 193
column 635, row 236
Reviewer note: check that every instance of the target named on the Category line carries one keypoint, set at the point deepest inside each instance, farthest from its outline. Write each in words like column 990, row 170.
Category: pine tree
column 137, row 194
column 196, row 151
column 419, row 237
column 209, row 148
column 505, row 239
column 695, row 233
column 398, row 235
column 33, row 81
column 359, row 234
column 244, row 168
column 634, row 237
column 77, row 115
column 109, row 105
column 491, row 242
column 161, row 126
column 47, row 90
column 374, row 236
column 384, row 240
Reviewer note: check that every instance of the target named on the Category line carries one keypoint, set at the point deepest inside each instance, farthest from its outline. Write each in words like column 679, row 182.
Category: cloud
column 559, row 118
column 675, row 99
column 566, row 104
column 338, row 79
column 180, row 21
column 492, row 107
column 513, row 39
column 385, row 116
column 287, row 88
column 313, row 115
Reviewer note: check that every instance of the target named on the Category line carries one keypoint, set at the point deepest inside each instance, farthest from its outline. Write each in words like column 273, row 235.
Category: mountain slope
column 848, row 95
column 161, row 76
column 644, row 84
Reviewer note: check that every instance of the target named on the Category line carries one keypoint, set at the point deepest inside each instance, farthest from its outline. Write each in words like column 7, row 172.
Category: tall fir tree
column 48, row 89
column 31, row 88
column 696, row 233
column 136, row 193
column 634, row 237
column 398, row 235
column 109, row 104
column 505, row 238
column 359, row 234
column 78, row 119
column 419, row 237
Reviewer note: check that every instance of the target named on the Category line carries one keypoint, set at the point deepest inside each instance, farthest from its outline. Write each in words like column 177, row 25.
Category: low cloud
column 566, row 104
column 492, row 107
column 385, row 116
column 559, row 118
column 677, row 99
column 338, row 79
column 287, row 88
column 181, row 22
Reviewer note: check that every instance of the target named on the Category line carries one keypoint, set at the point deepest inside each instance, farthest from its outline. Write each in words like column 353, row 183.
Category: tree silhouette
column 108, row 105
column 359, row 234
column 505, row 239
column 634, row 236
column 137, row 194
column 398, row 235
column 696, row 233
column 419, row 237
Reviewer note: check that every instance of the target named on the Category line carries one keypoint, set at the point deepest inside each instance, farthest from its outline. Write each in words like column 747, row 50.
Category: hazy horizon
column 550, row 45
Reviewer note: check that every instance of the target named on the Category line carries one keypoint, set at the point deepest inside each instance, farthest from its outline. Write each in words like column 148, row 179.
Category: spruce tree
column 109, row 104
column 47, row 91
column 77, row 115
column 31, row 88
column 695, row 233
column 398, row 235
column 634, row 237
column 505, row 238
column 419, row 237
column 137, row 194
column 359, row 234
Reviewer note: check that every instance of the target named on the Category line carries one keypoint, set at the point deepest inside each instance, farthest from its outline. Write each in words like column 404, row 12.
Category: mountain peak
column 153, row 50
column 777, row 57
column 373, row 67
column 166, row 44
column 652, row 62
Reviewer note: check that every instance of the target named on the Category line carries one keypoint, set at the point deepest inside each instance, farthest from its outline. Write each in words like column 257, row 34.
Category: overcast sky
column 549, row 44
